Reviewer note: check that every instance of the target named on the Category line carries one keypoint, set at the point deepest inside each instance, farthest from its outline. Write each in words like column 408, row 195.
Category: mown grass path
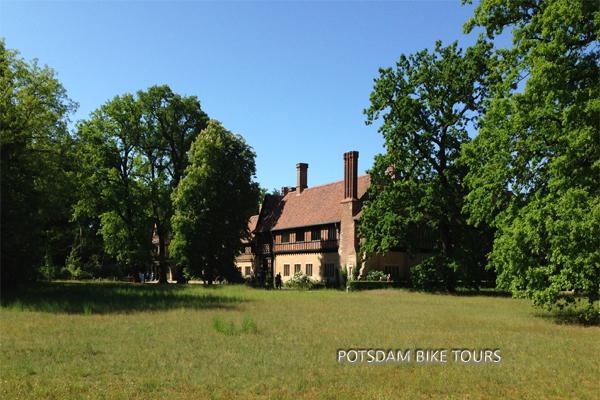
column 130, row 341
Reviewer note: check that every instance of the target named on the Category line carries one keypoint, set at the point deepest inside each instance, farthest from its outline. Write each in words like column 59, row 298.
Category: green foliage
column 133, row 154
column 300, row 281
column 111, row 173
column 355, row 273
column 213, row 204
column 344, row 276
column 37, row 163
column 228, row 327
column 376, row 285
column 376, row 276
column 417, row 192
column 535, row 165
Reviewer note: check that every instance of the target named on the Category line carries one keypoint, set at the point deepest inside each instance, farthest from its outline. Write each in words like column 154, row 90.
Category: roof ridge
column 326, row 184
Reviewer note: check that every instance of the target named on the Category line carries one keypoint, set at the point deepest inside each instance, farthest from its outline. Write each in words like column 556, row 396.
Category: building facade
column 314, row 230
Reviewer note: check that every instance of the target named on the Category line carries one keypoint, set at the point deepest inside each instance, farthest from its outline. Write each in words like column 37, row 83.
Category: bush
column 300, row 281
column 375, row 276
column 424, row 276
column 374, row 285
column 355, row 272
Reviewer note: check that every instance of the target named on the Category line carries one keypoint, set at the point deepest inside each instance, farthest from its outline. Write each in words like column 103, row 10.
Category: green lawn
column 106, row 340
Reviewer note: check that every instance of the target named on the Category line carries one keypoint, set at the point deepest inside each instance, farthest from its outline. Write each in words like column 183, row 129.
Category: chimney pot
column 301, row 168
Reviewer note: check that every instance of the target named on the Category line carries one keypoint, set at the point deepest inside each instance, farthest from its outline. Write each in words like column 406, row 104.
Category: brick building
column 313, row 230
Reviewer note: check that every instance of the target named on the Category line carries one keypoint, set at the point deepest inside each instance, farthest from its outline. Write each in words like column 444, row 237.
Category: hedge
column 374, row 285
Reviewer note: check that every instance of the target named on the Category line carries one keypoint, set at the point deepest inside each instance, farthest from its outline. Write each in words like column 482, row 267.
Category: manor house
column 314, row 230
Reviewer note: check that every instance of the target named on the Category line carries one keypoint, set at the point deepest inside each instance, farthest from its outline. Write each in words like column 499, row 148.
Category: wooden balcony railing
column 307, row 247
column 245, row 257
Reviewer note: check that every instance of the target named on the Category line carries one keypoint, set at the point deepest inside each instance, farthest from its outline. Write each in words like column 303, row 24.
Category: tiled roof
column 314, row 206
column 251, row 227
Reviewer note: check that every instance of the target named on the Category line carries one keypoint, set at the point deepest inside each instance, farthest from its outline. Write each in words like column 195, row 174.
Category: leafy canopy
column 534, row 167
column 416, row 191
column 213, row 204
column 37, row 167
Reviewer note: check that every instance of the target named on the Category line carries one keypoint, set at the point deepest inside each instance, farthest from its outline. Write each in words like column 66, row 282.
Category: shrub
column 300, row 281
column 355, row 272
column 374, row 285
column 424, row 276
column 374, row 276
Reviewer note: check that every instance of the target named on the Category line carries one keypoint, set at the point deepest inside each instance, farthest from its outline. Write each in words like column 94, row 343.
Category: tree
column 134, row 153
column 171, row 124
column 534, row 167
column 112, row 181
column 213, row 204
column 417, row 191
column 37, row 167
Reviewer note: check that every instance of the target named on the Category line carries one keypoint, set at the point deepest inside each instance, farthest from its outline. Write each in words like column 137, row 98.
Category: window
column 393, row 270
column 286, row 269
column 329, row 270
column 332, row 234
column 248, row 271
column 300, row 236
column 315, row 234
column 248, row 250
column 297, row 268
column 308, row 269
column 285, row 237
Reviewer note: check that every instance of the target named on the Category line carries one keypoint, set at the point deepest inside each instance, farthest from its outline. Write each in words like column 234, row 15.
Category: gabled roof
column 314, row 206
column 251, row 227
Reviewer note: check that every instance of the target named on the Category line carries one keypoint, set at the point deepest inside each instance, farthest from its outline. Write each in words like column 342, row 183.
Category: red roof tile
column 314, row 206
column 251, row 228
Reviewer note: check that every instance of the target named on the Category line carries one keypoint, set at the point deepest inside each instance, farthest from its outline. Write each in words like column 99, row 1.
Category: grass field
column 129, row 341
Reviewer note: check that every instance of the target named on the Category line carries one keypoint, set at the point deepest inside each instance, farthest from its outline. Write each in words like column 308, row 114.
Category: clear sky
column 292, row 78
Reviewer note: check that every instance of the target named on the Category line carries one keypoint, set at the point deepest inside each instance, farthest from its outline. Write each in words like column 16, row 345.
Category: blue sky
column 292, row 78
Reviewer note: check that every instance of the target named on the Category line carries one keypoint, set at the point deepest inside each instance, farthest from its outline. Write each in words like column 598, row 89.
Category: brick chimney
column 284, row 191
column 302, row 177
column 350, row 174
column 349, row 207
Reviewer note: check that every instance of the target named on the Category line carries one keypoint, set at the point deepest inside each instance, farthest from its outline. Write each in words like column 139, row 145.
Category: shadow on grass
column 570, row 316
column 107, row 298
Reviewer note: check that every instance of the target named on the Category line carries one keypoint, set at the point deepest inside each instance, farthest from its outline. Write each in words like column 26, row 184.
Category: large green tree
column 171, row 124
column 417, row 191
column 534, row 167
column 37, row 168
column 113, row 188
column 134, row 153
column 213, row 204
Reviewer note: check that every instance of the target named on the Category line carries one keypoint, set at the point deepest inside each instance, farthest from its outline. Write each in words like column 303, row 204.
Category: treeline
column 88, row 202
column 522, row 198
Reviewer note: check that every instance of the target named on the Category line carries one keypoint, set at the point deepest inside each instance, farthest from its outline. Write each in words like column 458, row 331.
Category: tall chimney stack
column 351, row 175
column 302, row 177
column 284, row 191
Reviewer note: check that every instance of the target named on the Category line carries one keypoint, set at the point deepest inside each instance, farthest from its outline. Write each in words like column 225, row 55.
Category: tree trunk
column 162, row 262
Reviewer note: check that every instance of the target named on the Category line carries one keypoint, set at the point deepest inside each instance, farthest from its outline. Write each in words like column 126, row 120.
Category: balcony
column 318, row 246
column 245, row 257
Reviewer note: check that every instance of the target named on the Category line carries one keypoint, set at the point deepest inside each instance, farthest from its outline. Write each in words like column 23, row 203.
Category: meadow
column 134, row 341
